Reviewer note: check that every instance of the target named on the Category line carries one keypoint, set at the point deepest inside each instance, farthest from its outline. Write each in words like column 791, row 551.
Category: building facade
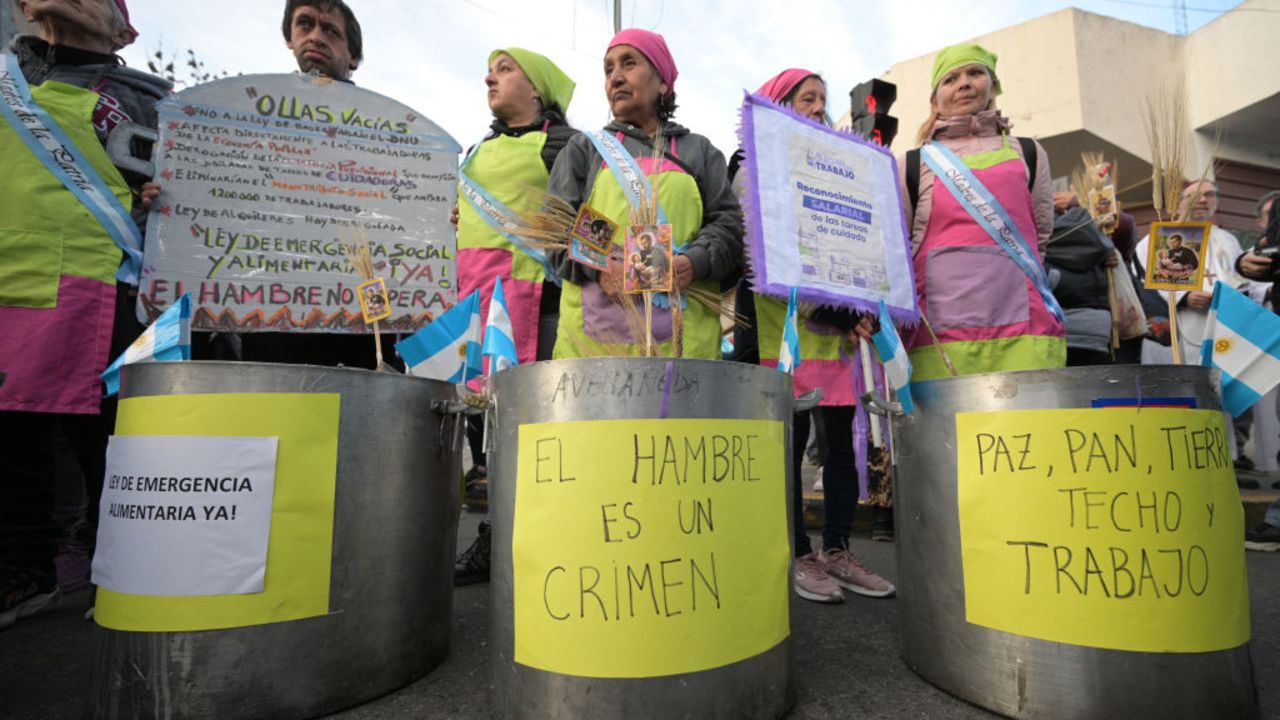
column 1079, row 82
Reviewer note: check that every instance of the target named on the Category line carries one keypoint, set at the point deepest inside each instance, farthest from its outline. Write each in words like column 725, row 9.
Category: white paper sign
column 183, row 515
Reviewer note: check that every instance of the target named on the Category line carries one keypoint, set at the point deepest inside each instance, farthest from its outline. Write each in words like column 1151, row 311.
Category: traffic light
column 870, row 111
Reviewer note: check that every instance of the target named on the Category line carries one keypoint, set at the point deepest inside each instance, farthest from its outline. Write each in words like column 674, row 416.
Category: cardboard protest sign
column 185, row 515
column 264, row 177
column 1114, row 528
column 300, row 545
column 823, row 214
column 667, row 534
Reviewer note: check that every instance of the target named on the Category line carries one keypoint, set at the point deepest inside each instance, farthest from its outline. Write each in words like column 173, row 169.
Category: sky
column 431, row 54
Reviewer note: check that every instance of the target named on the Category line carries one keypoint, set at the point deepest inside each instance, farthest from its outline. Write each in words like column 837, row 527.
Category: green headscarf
column 553, row 86
column 950, row 58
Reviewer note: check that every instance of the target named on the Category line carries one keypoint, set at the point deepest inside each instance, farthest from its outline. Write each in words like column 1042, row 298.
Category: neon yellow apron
column 57, row 268
column 593, row 325
column 512, row 171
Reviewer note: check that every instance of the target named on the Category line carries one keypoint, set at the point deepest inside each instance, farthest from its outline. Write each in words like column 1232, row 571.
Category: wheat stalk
column 358, row 254
column 1166, row 128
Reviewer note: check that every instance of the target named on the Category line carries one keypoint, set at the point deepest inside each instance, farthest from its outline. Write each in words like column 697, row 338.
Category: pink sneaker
column 812, row 582
column 850, row 574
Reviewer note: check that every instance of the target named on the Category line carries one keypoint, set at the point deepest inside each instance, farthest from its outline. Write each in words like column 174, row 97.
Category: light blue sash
column 990, row 215
column 499, row 217
column 49, row 142
column 634, row 183
column 625, row 170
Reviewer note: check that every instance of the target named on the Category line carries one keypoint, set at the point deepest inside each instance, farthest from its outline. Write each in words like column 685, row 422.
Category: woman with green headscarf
column 979, row 203
column 528, row 96
column 498, row 182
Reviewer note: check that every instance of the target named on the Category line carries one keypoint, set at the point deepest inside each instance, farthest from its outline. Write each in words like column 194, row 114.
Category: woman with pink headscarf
column 827, row 342
column 642, row 146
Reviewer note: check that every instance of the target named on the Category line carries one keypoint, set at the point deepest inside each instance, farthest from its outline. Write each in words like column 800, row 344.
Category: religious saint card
column 373, row 300
column 1102, row 206
column 1175, row 255
column 647, row 259
column 592, row 238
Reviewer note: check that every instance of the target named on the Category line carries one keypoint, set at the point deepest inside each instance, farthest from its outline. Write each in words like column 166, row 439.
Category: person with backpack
column 70, row 254
column 979, row 206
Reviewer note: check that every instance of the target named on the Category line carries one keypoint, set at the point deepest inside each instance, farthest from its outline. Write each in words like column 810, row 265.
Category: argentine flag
column 1242, row 339
column 897, row 365
column 499, row 346
column 167, row 340
column 449, row 348
column 789, row 353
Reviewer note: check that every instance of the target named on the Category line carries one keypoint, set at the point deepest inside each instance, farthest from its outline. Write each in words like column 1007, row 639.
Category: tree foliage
column 182, row 73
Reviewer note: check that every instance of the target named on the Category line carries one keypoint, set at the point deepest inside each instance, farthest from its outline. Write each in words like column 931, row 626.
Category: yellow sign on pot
column 644, row 548
column 300, row 548
column 1117, row 528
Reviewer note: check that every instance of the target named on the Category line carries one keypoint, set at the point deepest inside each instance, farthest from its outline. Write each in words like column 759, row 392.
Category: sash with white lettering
column 48, row 142
column 990, row 215
column 634, row 183
column 625, row 170
column 500, row 217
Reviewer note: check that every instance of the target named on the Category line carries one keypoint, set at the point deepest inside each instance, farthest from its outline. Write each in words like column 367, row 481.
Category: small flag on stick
column 499, row 346
column 789, row 353
column 168, row 339
column 897, row 365
column 449, row 348
column 1241, row 339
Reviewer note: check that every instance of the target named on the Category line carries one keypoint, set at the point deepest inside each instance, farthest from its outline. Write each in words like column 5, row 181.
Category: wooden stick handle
column 648, row 324
column 677, row 322
column 938, row 346
column 377, row 345
column 877, row 439
column 1174, row 342
column 1113, row 299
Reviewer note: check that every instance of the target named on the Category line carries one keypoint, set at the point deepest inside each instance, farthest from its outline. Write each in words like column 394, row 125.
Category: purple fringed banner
column 823, row 214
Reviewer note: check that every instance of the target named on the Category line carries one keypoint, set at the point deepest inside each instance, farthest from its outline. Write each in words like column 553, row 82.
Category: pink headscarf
column 654, row 48
column 125, row 12
column 779, row 85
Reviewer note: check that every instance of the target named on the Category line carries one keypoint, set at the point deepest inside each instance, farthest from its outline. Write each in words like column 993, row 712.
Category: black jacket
column 1076, row 249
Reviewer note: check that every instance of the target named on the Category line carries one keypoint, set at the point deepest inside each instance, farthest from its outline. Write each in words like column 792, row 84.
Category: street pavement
column 847, row 662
